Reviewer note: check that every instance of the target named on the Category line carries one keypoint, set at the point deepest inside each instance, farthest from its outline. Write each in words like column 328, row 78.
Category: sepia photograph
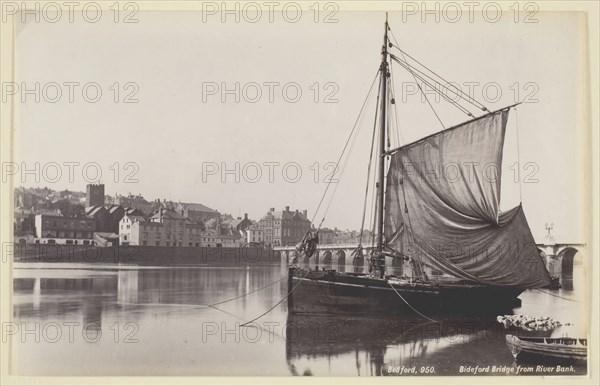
column 268, row 189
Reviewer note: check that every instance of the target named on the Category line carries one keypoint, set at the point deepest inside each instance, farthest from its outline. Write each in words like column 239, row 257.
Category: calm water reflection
column 86, row 319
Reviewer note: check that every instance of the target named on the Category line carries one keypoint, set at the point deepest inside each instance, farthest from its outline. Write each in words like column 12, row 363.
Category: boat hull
column 331, row 292
column 546, row 349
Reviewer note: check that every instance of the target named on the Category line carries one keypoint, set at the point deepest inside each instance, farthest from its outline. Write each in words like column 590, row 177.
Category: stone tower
column 94, row 195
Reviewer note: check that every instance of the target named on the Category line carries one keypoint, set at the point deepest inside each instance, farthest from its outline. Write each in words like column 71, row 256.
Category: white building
column 53, row 229
column 254, row 235
column 170, row 229
column 210, row 238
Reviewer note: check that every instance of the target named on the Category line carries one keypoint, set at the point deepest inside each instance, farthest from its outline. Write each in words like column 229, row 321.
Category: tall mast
column 382, row 139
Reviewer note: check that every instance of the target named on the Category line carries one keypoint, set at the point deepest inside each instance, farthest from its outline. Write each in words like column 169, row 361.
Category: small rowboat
column 570, row 349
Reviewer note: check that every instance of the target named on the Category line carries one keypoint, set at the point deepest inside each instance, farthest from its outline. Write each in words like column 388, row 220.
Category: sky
column 183, row 129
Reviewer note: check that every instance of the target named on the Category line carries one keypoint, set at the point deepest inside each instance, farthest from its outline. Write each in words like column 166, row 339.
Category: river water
column 93, row 319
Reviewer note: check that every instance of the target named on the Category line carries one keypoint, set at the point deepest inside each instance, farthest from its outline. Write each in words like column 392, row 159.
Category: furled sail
column 442, row 207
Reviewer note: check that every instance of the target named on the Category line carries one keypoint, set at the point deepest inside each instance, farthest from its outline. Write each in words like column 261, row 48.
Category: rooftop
column 197, row 207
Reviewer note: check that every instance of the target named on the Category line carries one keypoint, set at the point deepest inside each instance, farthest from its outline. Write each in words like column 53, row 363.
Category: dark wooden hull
column 547, row 349
column 332, row 292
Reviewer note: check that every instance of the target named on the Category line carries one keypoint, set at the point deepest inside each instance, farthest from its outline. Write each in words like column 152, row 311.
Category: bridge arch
column 341, row 260
column 566, row 256
column 327, row 257
column 358, row 260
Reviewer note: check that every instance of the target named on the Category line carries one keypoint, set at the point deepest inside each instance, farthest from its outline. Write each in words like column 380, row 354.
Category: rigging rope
column 408, row 304
column 519, row 157
column 362, row 223
column 465, row 96
column 454, row 103
column 344, row 149
column 422, row 92
column 399, row 137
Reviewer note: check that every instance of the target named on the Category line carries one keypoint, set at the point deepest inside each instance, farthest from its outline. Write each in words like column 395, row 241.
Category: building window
column 158, row 243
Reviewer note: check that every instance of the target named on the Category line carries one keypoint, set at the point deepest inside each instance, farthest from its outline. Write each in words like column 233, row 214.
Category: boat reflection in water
column 327, row 345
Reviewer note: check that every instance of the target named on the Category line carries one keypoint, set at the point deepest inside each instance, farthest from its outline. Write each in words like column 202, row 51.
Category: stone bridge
column 330, row 256
column 559, row 257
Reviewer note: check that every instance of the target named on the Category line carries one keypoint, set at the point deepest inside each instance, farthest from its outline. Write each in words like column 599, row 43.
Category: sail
column 442, row 207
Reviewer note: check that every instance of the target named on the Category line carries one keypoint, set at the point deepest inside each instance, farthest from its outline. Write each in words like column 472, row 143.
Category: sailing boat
column 450, row 225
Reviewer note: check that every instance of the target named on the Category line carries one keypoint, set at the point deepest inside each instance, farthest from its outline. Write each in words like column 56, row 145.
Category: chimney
column 287, row 208
column 245, row 216
column 272, row 210
column 305, row 213
column 296, row 211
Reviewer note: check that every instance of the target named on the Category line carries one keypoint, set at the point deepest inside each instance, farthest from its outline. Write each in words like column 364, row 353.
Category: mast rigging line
column 362, row 223
column 466, row 96
column 344, row 149
column 399, row 136
column 421, row 77
column 420, row 88
column 519, row 156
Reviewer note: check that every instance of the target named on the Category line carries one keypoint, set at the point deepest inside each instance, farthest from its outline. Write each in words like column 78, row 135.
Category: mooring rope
column 278, row 303
column 249, row 293
column 557, row 296
column 408, row 304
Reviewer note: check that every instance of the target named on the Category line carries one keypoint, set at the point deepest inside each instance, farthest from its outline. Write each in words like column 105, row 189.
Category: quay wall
column 144, row 255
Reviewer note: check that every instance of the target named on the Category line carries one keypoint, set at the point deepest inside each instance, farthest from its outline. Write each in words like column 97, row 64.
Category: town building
column 236, row 227
column 134, row 201
column 240, row 224
column 164, row 228
column 54, row 229
column 254, row 235
column 212, row 239
column 24, row 220
column 284, row 227
column 75, row 198
column 101, row 217
column 116, row 213
column 108, row 217
column 196, row 213
column 326, row 236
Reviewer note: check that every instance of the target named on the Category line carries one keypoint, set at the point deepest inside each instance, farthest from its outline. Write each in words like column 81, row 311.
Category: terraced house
column 55, row 229
column 166, row 227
